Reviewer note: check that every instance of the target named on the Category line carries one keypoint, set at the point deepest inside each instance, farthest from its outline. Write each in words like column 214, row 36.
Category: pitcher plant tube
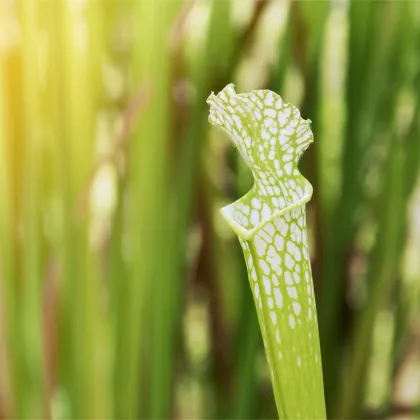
column 270, row 221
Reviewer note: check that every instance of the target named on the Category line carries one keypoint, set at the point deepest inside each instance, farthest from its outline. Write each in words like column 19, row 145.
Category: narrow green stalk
column 152, row 292
column 34, row 402
column 117, row 275
column 167, row 310
column 53, row 101
column 271, row 226
column 246, row 350
column 9, row 300
column 125, row 399
column 78, row 341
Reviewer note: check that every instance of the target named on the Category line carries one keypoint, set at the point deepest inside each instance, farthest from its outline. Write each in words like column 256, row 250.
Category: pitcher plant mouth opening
column 270, row 222
column 270, row 135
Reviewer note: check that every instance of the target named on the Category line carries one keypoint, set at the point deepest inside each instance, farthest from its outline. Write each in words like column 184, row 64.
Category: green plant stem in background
column 152, row 288
column 79, row 298
column 270, row 224
column 246, row 356
column 9, row 289
column 168, row 310
column 34, row 403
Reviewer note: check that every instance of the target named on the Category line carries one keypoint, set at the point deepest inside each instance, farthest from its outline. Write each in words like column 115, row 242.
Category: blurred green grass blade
column 213, row 60
column 119, row 293
column 168, row 309
column 79, row 297
column 53, row 111
column 99, row 325
column 125, row 399
column 34, row 402
column 314, row 15
column 13, row 144
column 151, row 316
column 9, row 287
column 207, row 276
column 245, row 400
column 330, row 135
column 276, row 82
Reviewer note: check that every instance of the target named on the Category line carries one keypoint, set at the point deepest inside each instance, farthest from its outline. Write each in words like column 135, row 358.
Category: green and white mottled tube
column 270, row 222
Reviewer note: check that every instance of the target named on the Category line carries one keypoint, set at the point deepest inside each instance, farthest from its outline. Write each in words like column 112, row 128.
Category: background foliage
column 122, row 292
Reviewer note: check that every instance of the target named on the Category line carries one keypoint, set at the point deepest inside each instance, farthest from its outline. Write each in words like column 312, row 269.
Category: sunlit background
column 123, row 294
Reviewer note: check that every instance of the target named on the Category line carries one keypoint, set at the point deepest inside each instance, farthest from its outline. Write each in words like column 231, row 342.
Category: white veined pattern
column 271, row 225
